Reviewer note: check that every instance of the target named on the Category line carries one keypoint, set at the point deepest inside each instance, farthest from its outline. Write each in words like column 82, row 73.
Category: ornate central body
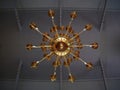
column 61, row 46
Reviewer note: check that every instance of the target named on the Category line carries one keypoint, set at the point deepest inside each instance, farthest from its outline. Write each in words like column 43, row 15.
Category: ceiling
column 81, row 4
column 15, row 16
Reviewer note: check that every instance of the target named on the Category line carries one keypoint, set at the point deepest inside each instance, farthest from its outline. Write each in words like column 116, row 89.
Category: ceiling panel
column 8, row 67
column 80, row 4
column 8, row 21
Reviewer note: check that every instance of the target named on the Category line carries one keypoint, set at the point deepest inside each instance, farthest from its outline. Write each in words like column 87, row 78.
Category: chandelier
column 62, row 43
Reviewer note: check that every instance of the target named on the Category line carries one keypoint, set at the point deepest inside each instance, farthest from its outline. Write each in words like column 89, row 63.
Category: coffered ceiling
column 15, row 16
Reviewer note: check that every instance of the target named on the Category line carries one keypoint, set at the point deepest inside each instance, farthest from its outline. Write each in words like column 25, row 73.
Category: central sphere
column 61, row 46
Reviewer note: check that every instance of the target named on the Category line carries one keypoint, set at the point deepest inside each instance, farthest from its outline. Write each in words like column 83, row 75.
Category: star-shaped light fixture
column 65, row 45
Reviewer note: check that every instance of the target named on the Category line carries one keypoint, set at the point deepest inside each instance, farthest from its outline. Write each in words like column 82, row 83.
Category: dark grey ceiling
column 15, row 34
column 81, row 4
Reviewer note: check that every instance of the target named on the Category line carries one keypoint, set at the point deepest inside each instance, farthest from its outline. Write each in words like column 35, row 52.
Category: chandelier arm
column 47, row 36
column 37, row 29
column 75, row 46
column 55, row 65
column 69, row 71
column 69, row 26
column 66, row 33
column 43, row 34
column 48, row 46
column 58, row 58
column 70, row 21
column 33, row 26
column 53, row 22
column 78, row 34
column 53, row 76
column 82, row 45
column 55, row 68
column 87, row 45
column 71, row 78
column 45, row 57
column 79, row 58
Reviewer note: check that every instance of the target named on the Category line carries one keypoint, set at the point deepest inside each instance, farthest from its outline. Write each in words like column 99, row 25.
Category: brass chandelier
column 65, row 45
